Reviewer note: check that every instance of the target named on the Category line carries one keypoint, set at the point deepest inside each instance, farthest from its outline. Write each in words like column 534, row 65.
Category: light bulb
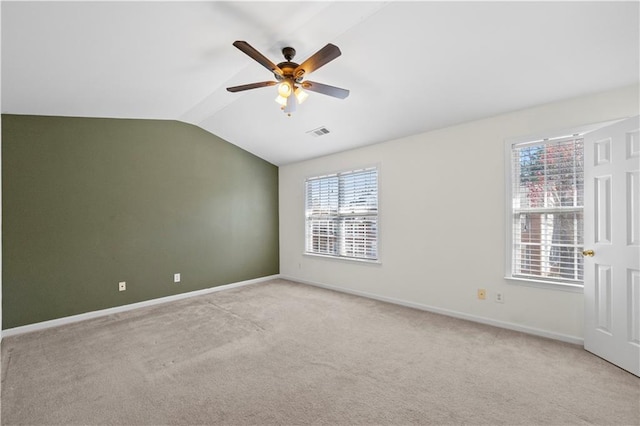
column 282, row 101
column 284, row 89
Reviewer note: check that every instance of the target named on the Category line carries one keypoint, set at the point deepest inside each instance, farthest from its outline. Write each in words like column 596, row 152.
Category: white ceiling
column 410, row 66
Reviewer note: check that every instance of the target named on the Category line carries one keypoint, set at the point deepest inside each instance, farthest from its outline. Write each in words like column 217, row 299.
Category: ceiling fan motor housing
column 288, row 68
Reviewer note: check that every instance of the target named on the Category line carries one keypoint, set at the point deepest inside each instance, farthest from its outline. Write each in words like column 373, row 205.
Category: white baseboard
column 109, row 311
column 95, row 314
column 482, row 320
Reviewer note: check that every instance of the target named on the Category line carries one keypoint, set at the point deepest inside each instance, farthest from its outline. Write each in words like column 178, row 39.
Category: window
column 342, row 214
column 547, row 202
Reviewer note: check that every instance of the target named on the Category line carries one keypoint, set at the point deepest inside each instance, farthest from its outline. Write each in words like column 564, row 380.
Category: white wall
column 452, row 181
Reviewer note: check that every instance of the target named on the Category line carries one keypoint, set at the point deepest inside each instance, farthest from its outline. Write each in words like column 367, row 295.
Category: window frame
column 338, row 257
column 555, row 135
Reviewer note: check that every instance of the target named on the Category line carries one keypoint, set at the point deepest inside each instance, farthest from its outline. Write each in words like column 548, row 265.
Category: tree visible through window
column 547, row 210
column 341, row 214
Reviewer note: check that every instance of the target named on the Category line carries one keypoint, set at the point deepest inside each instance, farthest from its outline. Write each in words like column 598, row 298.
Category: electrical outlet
column 122, row 286
column 499, row 297
column 482, row 293
column 176, row 278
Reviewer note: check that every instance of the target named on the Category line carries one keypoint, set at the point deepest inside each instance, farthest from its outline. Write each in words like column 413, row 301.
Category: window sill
column 345, row 259
column 550, row 285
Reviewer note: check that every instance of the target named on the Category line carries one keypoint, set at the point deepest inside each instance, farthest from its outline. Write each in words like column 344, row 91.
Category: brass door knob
column 589, row 253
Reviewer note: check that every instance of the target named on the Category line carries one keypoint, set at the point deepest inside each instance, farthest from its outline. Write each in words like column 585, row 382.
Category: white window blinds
column 342, row 214
column 547, row 210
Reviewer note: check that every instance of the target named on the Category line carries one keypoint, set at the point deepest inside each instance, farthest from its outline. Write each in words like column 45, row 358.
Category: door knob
column 589, row 253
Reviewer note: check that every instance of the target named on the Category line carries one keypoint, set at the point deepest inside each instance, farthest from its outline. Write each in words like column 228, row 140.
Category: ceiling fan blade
column 257, row 56
column 251, row 86
column 325, row 89
column 318, row 59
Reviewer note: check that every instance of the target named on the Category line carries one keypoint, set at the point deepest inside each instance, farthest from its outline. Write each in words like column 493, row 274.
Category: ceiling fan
column 290, row 75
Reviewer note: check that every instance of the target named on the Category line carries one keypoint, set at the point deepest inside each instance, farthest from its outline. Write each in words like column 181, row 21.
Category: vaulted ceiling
column 411, row 67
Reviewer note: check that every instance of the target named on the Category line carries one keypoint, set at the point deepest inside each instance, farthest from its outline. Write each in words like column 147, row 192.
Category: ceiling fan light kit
column 290, row 75
column 300, row 95
column 284, row 89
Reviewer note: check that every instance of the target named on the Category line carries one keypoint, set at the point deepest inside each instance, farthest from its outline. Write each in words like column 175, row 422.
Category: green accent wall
column 89, row 202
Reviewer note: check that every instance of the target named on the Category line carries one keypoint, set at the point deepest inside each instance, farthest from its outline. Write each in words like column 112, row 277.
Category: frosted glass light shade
column 301, row 95
column 284, row 89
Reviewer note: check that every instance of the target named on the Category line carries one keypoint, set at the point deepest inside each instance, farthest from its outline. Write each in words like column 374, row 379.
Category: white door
column 612, row 232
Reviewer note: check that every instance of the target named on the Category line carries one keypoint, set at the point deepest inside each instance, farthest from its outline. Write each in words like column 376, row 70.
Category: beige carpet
column 286, row 353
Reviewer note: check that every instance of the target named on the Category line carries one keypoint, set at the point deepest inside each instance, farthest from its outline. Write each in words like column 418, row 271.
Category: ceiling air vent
column 320, row 131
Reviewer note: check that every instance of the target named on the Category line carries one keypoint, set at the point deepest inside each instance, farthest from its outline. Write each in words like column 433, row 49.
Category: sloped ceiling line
column 411, row 67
